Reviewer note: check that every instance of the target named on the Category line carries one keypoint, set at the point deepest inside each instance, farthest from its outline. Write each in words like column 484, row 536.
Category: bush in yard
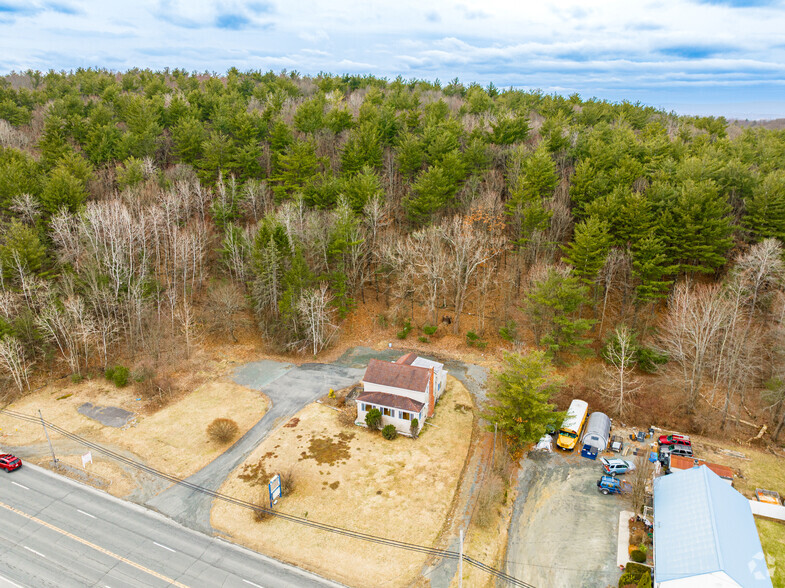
column 222, row 430
column 638, row 556
column 262, row 504
column 414, row 428
column 118, row 374
column 429, row 329
column 645, row 581
column 632, row 574
column 389, row 432
column 373, row 418
column 423, row 339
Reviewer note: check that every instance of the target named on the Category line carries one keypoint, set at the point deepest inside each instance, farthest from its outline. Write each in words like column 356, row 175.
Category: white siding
column 403, row 426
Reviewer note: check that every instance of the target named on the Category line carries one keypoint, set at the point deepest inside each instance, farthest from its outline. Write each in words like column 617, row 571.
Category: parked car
column 9, row 462
column 610, row 485
column 675, row 440
column 680, row 450
column 616, row 466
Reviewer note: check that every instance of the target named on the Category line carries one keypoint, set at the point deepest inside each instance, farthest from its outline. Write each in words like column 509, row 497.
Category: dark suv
column 9, row 462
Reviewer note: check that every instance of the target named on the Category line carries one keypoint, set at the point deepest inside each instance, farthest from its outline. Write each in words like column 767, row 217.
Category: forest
column 140, row 209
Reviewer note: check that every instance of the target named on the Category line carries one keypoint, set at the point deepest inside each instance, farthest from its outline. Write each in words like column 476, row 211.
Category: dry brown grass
column 174, row 438
column 222, row 430
column 352, row 478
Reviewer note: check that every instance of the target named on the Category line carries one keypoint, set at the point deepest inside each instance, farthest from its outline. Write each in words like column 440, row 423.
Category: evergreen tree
column 520, row 401
column 189, row 136
column 649, row 268
column 589, row 248
column 698, row 228
column 410, row 155
column 297, row 167
column 432, row 191
column 553, row 305
column 21, row 244
column 535, row 182
column 62, row 190
column 765, row 215
column 362, row 149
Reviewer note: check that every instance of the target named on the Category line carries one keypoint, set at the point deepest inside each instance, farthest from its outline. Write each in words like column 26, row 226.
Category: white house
column 402, row 390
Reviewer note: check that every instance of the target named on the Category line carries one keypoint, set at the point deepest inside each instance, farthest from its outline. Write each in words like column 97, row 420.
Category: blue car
column 610, row 485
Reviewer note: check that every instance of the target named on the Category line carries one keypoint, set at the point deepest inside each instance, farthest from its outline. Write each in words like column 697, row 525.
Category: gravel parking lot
column 563, row 532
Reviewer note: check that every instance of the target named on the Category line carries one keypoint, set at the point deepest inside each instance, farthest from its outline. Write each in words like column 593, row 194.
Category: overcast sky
column 724, row 57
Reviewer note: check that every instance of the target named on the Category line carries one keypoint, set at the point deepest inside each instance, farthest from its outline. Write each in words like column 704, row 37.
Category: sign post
column 274, row 488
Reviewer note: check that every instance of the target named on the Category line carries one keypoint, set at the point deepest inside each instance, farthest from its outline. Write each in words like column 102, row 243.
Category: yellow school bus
column 572, row 425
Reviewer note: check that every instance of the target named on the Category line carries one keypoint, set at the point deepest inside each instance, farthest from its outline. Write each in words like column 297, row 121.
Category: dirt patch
column 292, row 423
column 329, row 450
column 372, row 486
column 462, row 408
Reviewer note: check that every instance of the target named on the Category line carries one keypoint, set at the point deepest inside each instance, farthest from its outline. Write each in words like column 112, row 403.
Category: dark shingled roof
column 391, row 401
column 396, row 375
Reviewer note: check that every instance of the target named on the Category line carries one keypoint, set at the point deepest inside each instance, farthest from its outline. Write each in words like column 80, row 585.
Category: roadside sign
column 274, row 487
column 87, row 458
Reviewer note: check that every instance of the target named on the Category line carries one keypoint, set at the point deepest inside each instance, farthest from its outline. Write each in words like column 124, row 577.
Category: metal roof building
column 598, row 430
column 704, row 534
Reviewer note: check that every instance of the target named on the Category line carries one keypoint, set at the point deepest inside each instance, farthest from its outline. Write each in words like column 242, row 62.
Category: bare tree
column 14, row 361
column 27, row 207
column 316, row 313
column 186, row 316
column 620, row 385
column 642, row 477
column 690, row 331
column 225, row 302
column 469, row 248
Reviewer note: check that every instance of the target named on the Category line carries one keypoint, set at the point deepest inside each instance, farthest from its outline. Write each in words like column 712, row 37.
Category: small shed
column 598, row 431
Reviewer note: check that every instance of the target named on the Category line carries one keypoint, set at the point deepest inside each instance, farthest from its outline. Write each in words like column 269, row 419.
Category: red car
column 675, row 440
column 9, row 462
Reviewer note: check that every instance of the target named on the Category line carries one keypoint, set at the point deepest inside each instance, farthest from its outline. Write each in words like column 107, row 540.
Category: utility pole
column 460, row 563
column 43, row 424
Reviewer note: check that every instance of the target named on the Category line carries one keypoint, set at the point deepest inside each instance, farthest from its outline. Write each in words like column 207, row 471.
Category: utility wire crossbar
column 289, row 517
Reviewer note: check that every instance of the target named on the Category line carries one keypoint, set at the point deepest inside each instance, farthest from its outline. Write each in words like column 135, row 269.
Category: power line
column 289, row 517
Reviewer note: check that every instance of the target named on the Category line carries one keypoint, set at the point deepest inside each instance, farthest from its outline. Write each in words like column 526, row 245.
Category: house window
column 388, row 412
column 404, row 415
column 365, row 407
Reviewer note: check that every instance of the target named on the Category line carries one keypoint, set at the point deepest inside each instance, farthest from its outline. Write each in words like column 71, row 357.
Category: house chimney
column 431, row 398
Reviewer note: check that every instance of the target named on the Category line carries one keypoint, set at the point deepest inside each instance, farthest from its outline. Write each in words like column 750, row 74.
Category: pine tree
column 698, row 228
column 552, row 306
column 765, row 216
column 520, row 403
column 588, row 249
column 649, row 268
column 535, row 182
column 432, row 191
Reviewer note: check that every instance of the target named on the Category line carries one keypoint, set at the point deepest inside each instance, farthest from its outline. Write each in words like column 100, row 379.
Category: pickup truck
column 610, row 485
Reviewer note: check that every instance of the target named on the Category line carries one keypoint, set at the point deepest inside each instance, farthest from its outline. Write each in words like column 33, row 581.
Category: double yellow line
column 94, row 546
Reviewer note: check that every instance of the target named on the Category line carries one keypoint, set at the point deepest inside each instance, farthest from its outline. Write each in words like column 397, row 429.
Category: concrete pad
column 623, row 549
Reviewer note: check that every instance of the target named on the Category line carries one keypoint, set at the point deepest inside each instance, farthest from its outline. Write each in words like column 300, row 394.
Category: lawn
column 772, row 538
column 173, row 439
column 351, row 477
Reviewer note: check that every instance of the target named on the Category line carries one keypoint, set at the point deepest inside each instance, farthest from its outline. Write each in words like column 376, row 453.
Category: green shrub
column 472, row 337
column 429, row 329
column 650, row 359
column 373, row 418
column 633, row 572
column 76, row 378
column 645, row 581
column 509, row 332
column 414, row 428
column 118, row 374
column 638, row 556
column 423, row 339
column 407, row 327
column 389, row 432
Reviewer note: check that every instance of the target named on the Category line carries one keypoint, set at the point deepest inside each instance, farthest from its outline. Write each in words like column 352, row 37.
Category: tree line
column 134, row 202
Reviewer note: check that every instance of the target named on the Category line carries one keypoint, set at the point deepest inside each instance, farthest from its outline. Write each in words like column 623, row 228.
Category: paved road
column 55, row 532
column 290, row 389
